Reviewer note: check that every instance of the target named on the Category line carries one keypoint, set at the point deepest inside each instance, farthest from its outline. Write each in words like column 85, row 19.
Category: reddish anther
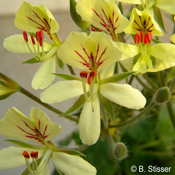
column 100, row 30
column 25, row 36
column 91, row 76
column 137, row 38
column 41, row 34
column 92, row 28
column 149, row 37
column 83, row 74
column 141, row 37
column 34, row 154
column 32, row 38
column 26, row 154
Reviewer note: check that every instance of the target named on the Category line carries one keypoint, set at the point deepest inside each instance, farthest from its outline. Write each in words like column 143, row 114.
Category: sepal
column 116, row 78
column 77, row 105
column 68, row 77
column 107, row 105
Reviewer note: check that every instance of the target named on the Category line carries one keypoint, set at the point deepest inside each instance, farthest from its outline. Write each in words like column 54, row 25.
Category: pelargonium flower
column 142, row 21
column 145, row 57
column 103, row 14
column 96, row 54
column 165, row 5
column 37, row 21
column 15, row 125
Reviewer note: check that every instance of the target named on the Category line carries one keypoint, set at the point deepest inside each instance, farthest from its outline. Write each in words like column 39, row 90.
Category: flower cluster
column 96, row 52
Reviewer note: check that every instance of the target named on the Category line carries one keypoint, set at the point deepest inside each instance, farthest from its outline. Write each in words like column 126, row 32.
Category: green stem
column 131, row 79
column 143, row 112
column 150, row 82
column 71, row 70
column 171, row 113
column 36, row 99
column 143, row 84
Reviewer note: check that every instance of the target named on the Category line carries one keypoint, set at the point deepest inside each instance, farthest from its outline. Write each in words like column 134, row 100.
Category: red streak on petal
column 101, row 55
column 85, row 62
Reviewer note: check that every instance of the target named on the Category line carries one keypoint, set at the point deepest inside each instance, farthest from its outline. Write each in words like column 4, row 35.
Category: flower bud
column 120, row 151
column 7, row 86
column 162, row 96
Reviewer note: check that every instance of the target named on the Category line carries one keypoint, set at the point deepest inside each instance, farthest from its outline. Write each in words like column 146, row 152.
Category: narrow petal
column 167, row 6
column 47, row 128
column 89, row 122
column 70, row 165
column 44, row 77
column 12, row 157
column 16, row 43
column 163, row 51
column 124, row 95
column 61, row 91
column 128, row 50
column 33, row 18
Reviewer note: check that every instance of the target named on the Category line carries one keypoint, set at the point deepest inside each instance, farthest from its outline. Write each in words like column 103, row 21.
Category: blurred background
column 11, row 65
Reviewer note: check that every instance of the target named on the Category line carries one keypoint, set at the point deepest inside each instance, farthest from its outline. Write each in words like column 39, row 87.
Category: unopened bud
column 7, row 86
column 162, row 96
column 120, row 151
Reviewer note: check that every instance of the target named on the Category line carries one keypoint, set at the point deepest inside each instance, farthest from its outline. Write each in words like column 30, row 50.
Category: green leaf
column 24, row 145
column 31, row 61
column 116, row 78
column 172, row 75
column 60, row 63
column 68, row 77
column 156, row 41
column 76, row 105
column 158, row 17
column 107, row 105
column 76, row 17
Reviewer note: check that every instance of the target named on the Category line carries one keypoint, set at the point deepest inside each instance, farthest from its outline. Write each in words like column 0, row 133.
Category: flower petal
column 143, row 21
column 128, row 50
column 47, row 127
column 124, row 95
column 89, row 122
column 61, row 91
column 167, row 6
column 163, row 51
column 161, row 65
column 70, row 165
column 92, row 52
column 130, row 1
column 102, row 14
column 43, row 77
column 13, row 125
column 12, row 157
column 16, row 43
column 33, row 18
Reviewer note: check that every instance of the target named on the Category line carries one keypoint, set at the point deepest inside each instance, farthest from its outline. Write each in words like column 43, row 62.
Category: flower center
column 144, row 44
column 91, row 80
column 37, row 49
